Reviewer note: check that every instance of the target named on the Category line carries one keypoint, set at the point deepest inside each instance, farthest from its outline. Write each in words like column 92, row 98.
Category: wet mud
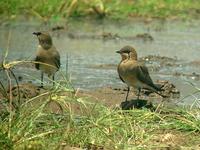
column 110, row 96
column 146, row 37
column 156, row 63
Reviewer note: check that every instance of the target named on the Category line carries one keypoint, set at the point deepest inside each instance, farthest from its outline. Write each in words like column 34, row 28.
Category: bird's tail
column 159, row 88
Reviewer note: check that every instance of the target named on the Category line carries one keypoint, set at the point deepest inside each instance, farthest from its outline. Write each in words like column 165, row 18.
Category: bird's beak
column 36, row 33
column 118, row 52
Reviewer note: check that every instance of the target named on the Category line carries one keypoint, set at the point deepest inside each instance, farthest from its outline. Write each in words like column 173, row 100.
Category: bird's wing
column 119, row 74
column 143, row 75
column 57, row 61
column 121, row 78
column 37, row 59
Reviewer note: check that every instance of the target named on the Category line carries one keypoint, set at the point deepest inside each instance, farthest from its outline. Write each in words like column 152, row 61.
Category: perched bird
column 47, row 56
column 134, row 73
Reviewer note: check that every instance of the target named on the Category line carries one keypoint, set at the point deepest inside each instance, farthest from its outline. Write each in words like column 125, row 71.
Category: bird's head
column 45, row 39
column 128, row 52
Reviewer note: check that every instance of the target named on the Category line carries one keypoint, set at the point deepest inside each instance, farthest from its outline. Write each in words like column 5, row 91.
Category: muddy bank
column 157, row 63
column 113, row 96
column 171, row 138
column 110, row 96
column 111, row 36
column 154, row 62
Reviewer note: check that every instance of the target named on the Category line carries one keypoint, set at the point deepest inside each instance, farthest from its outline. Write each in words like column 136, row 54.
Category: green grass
column 117, row 9
column 93, row 124
column 83, row 123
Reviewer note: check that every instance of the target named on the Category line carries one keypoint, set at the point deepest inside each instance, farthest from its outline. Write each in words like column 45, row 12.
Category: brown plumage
column 47, row 56
column 134, row 73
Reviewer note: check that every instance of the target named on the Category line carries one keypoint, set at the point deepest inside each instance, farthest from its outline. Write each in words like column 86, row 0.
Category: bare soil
column 109, row 96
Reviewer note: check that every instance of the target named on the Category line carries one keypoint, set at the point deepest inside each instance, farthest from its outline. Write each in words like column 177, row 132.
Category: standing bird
column 133, row 73
column 47, row 56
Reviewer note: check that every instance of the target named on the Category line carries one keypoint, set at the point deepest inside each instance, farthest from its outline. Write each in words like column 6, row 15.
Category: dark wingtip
column 118, row 52
column 37, row 33
column 158, row 87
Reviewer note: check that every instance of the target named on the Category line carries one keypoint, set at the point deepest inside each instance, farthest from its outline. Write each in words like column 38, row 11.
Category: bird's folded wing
column 57, row 61
column 119, row 74
column 143, row 75
column 121, row 78
column 38, row 59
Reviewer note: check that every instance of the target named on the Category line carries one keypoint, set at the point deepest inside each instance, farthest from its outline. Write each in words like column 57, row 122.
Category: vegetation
column 117, row 9
column 97, row 126
column 79, row 122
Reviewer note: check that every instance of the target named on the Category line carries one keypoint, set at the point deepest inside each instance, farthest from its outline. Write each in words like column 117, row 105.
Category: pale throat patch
column 124, row 56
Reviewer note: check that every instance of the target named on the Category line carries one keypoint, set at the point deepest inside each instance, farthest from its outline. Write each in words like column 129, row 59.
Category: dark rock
column 136, row 103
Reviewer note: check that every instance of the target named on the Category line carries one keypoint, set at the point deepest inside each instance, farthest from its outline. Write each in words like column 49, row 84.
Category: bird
column 134, row 73
column 47, row 56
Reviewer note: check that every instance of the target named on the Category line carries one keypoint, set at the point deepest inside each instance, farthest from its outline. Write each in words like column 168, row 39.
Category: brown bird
column 134, row 73
column 47, row 56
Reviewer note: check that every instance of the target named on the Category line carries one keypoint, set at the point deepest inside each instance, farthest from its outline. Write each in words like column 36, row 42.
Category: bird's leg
column 127, row 93
column 139, row 90
column 42, row 77
column 53, row 77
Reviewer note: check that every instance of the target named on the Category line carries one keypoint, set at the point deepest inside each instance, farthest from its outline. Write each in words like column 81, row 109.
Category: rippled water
column 180, row 40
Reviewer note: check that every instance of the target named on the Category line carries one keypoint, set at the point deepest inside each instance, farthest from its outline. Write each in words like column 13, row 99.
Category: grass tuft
column 92, row 125
column 117, row 9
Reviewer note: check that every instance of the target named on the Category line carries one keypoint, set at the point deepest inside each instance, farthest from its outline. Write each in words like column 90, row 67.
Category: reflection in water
column 171, row 39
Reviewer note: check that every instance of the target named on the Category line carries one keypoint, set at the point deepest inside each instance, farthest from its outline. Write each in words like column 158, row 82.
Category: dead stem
column 10, row 102
column 4, row 92
column 71, row 7
column 17, row 88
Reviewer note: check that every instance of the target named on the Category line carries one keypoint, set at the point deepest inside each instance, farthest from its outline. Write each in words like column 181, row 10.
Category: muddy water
column 92, row 59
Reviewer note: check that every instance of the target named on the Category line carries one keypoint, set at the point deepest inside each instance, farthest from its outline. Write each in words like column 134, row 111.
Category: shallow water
column 86, row 56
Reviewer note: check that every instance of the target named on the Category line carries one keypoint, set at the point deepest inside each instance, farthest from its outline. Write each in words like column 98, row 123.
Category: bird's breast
column 128, row 74
column 48, row 58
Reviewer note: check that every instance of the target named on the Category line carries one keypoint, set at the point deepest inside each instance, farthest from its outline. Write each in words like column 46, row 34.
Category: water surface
column 174, row 39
